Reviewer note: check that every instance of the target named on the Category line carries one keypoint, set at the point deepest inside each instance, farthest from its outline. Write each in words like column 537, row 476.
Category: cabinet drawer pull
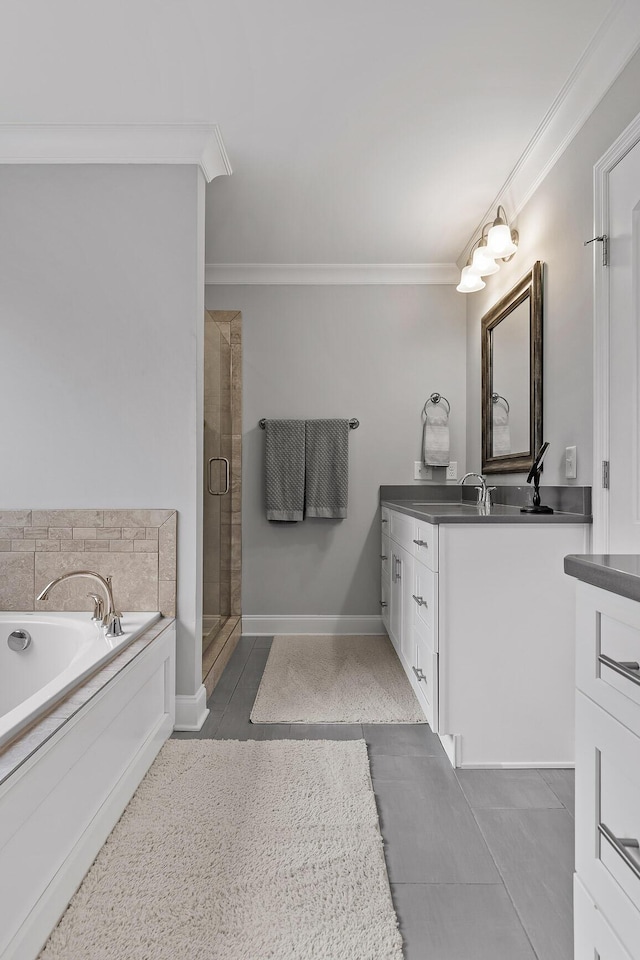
column 398, row 569
column 384, row 520
column 420, row 601
column 383, row 556
column 419, row 674
column 421, row 543
column 383, row 603
column 626, row 668
column 620, row 845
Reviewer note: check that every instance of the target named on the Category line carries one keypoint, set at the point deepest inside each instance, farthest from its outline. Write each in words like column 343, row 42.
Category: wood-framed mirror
column 512, row 377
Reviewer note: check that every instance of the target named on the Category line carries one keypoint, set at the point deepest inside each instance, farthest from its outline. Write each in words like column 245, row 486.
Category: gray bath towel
column 284, row 466
column 327, row 468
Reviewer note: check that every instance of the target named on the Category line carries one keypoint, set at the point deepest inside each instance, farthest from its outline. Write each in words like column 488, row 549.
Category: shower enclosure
column 221, row 602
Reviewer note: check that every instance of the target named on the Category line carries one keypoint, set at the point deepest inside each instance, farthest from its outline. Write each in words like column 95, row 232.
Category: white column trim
column 147, row 143
column 295, row 274
column 601, row 327
column 191, row 711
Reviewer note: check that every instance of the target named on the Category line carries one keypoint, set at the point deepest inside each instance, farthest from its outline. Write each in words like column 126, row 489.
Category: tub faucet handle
column 98, row 607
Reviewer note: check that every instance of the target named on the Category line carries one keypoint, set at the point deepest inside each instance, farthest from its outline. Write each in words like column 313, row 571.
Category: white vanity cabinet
column 482, row 618
column 607, row 879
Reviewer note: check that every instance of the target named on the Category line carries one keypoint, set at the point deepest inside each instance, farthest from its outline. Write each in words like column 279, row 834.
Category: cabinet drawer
column 425, row 543
column 425, row 596
column 401, row 529
column 385, row 591
column 385, row 526
column 608, row 817
column 593, row 936
column 608, row 653
column 425, row 671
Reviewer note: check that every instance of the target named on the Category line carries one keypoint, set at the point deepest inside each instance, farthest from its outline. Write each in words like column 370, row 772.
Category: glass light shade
column 470, row 282
column 499, row 242
column 482, row 264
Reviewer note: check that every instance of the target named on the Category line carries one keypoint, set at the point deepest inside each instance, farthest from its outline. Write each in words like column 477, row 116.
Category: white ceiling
column 360, row 131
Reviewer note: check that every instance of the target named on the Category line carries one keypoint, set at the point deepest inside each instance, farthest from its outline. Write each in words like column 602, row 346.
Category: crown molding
column 613, row 45
column 321, row 274
column 167, row 143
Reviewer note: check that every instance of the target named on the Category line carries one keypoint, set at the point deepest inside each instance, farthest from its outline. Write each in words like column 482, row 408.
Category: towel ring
column 496, row 396
column 436, row 398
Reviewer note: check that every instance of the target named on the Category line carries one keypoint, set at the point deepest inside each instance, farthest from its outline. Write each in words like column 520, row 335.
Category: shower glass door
column 217, row 481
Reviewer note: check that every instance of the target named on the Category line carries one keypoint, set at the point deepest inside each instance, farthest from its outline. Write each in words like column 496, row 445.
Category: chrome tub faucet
column 110, row 619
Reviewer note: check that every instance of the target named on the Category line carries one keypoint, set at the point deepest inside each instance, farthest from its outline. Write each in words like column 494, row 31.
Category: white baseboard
column 269, row 626
column 191, row 711
column 49, row 908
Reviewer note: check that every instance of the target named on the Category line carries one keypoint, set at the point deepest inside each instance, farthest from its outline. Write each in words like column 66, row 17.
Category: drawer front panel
column 385, row 593
column 426, row 673
column 425, row 543
column 425, row 596
column 608, row 817
column 592, row 934
column 401, row 529
column 385, row 526
column 608, row 653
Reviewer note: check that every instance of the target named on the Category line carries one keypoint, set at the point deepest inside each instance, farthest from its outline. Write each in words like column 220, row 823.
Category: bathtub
column 65, row 649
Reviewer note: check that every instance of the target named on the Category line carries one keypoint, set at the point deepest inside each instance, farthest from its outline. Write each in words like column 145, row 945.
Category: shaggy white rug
column 240, row 851
column 327, row 679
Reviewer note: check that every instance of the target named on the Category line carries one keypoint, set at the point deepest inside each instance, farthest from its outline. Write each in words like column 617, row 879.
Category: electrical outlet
column 420, row 471
column 452, row 471
column 570, row 463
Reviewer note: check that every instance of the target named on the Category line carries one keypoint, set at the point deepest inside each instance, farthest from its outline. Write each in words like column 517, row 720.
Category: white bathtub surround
column 67, row 780
column 64, row 649
column 274, row 850
column 334, row 680
column 136, row 547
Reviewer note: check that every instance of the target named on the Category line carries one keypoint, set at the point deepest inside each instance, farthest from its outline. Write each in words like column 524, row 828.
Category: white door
column 624, row 360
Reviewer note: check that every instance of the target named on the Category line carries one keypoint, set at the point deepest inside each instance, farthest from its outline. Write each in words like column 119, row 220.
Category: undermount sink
column 448, row 506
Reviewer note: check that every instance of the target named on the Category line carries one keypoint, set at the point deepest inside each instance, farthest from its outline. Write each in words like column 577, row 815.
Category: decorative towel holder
column 436, row 398
column 496, row 396
column 354, row 423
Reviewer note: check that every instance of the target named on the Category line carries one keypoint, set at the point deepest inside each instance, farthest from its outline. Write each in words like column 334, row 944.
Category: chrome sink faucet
column 110, row 619
column 484, row 492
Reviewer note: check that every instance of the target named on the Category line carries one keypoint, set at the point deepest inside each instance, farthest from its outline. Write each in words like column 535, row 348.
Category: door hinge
column 605, row 474
column 604, row 240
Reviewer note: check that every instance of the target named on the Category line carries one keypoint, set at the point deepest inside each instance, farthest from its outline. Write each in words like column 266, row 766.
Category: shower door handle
column 218, row 493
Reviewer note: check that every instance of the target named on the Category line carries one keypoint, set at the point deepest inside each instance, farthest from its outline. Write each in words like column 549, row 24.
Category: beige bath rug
column 334, row 680
column 240, row 851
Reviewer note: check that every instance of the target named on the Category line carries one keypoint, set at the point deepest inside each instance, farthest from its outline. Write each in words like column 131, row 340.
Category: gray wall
column 553, row 226
column 100, row 340
column 373, row 352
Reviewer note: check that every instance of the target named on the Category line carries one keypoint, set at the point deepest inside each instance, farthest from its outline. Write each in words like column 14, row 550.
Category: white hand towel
column 435, row 436
column 501, row 431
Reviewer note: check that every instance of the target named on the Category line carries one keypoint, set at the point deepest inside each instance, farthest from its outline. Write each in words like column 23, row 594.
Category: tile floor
column 480, row 861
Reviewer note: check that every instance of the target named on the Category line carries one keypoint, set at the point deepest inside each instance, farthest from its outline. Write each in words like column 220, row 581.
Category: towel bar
column 353, row 423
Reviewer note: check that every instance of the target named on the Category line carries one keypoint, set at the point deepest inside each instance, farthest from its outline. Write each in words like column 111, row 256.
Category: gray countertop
column 616, row 572
column 465, row 512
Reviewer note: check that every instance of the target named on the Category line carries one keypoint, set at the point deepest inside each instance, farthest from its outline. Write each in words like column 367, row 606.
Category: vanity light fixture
column 497, row 242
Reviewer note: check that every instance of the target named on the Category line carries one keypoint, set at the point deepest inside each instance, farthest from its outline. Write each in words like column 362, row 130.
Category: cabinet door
column 395, row 598
column 405, row 573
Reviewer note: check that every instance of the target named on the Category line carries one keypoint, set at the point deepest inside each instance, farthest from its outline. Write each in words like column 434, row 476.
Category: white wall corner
column 191, row 711
column 613, row 45
column 336, row 274
column 151, row 143
column 269, row 626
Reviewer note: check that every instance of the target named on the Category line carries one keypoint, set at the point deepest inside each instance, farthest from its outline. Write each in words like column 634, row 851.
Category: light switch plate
column 570, row 463
column 420, row 471
column 452, row 470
